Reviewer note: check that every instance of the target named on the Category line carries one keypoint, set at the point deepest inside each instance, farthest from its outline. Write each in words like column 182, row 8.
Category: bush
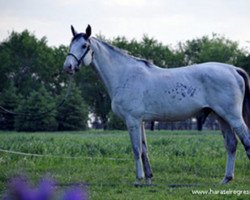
column 8, row 100
column 73, row 114
column 39, row 112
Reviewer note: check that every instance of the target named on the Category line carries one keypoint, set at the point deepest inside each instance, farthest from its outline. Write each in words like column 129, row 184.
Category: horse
column 141, row 91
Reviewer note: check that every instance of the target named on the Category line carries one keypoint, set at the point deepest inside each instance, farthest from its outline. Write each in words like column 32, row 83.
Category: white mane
column 125, row 53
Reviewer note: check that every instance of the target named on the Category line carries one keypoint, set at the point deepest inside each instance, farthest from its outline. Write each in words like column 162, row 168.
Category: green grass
column 187, row 159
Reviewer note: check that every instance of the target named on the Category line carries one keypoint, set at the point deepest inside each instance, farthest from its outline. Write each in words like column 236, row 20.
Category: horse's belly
column 168, row 116
column 172, row 110
column 150, row 116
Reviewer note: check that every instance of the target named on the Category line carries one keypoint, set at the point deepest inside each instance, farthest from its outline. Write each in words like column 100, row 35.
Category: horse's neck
column 109, row 65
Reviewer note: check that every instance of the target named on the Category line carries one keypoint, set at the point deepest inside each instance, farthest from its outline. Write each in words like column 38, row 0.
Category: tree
column 29, row 63
column 217, row 49
column 244, row 61
column 38, row 112
column 9, row 100
column 73, row 115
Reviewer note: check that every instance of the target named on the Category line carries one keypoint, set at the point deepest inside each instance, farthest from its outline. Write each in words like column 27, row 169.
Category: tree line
column 32, row 81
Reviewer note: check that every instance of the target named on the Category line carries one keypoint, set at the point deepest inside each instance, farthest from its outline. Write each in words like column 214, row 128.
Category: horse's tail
column 246, row 101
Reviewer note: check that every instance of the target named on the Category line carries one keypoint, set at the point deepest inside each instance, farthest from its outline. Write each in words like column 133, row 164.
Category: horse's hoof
column 226, row 180
column 148, row 182
column 138, row 183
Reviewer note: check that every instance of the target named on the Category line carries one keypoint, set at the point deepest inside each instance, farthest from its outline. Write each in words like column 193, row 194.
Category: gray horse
column 141, row 91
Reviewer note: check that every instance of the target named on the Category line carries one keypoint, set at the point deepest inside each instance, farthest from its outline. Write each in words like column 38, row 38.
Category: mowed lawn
column 183, row 162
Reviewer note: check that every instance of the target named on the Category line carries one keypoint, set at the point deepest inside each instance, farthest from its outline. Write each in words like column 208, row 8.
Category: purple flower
column 75, row 194
column 20, row 189
column 45, row 190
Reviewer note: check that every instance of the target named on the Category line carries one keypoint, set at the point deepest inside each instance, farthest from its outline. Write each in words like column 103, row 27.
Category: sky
column 168, row 21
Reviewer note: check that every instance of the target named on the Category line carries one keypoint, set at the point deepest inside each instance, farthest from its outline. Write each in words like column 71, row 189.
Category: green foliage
column 37, row 112
column 216, row 49
column 30, row 63
column 115, row 123
column 244, row 61
column 73, row 115
column 9, row 99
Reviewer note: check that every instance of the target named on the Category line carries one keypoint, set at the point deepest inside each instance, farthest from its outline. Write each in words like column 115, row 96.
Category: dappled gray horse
column 141, row 91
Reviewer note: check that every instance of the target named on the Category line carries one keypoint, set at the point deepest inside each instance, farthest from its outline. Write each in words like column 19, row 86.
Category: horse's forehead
column 76, row 41
column 79, row 36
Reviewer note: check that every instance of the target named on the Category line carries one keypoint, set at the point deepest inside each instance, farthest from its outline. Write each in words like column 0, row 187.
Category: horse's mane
column 125, row 53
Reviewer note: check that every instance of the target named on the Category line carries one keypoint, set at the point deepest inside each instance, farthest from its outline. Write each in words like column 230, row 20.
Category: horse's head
column 80, row 51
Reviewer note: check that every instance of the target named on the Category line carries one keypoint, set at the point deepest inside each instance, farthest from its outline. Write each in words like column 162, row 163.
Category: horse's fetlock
column 227, row 179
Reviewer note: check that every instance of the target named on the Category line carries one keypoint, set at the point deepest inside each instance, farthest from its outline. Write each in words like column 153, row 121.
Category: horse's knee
column 231, row 150
column 231, row 145
column 137, row 153
column 241, row 130
column 243, row 133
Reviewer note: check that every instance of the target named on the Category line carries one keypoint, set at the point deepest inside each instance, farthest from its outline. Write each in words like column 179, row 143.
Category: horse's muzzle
column 71, row 70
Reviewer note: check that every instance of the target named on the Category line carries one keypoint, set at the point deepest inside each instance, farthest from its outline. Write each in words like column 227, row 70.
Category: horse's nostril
column 68, row 68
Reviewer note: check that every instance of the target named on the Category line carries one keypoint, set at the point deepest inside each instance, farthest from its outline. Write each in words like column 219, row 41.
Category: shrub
column 73, row 114
column 38, row 112
column 8, row 100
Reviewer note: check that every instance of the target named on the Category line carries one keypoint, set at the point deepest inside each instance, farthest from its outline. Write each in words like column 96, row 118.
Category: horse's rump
column 246, row 101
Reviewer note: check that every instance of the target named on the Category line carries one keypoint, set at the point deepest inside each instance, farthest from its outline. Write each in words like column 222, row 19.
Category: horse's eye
column 84, row 46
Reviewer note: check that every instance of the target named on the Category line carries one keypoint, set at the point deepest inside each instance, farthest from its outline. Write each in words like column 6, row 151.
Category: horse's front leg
column 134, row 129
column 145, row 160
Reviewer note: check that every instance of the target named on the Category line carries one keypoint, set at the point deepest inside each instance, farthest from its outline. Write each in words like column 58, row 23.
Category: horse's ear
column 88, row 31
column 73, row 30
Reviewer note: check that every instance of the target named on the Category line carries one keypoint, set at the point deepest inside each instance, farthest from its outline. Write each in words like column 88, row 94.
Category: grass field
column 183, row 162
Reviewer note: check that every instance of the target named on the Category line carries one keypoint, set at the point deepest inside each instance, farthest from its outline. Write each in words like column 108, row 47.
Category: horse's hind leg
column 230, row 145
column 233, row 116
column 239, row 126
column 145, row 160
column 243, row 133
